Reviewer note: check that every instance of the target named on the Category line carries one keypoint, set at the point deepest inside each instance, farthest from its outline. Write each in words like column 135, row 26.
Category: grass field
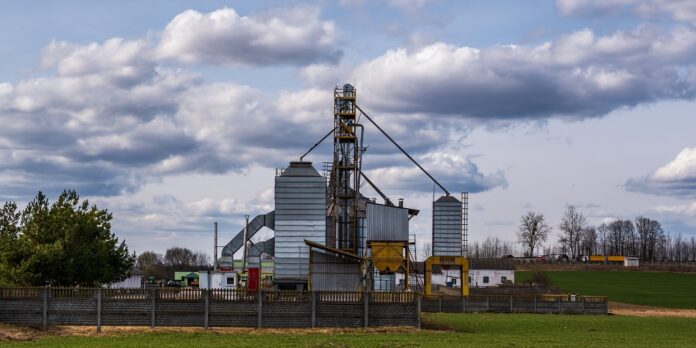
column 445, row 330
column 660, row 289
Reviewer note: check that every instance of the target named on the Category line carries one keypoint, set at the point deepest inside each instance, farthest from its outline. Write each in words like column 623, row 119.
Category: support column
column 45, row 308
column 99, row 309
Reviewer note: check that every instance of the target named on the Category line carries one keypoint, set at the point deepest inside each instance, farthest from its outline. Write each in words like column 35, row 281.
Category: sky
column 173, row 115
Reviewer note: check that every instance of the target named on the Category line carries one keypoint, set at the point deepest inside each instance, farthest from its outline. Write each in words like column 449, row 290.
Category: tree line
column 642, row 237
column 176, row 259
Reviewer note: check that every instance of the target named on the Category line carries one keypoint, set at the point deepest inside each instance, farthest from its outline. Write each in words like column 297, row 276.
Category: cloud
column 676, row 178
column 681, row 209
column 455, row 172
column 289, row 36
column 680, row 10
column 577, row 76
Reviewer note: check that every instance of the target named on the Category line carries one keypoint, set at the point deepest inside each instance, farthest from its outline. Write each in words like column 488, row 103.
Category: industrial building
column 329, row 236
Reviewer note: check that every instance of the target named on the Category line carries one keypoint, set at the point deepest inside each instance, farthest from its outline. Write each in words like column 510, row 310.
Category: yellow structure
column 447, row 261
column 387, row 256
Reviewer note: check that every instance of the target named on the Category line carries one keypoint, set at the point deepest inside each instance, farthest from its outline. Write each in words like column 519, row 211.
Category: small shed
column 630, row 261
column 134, row 280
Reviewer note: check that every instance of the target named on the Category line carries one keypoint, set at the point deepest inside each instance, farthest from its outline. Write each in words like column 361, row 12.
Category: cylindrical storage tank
column 447, row 227
column 300, row 213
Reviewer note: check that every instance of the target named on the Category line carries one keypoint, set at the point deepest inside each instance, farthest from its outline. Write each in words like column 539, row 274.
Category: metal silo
column 300, row 213
column 447, row 227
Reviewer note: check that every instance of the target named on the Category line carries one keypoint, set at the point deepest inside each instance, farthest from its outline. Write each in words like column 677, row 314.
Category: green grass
column 661, row 289
column 463, row 330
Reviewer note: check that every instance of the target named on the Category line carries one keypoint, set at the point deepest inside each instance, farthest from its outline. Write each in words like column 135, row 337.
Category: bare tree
column 427, row 250
column 589, row 241
column 572, row 225
column 533, row 230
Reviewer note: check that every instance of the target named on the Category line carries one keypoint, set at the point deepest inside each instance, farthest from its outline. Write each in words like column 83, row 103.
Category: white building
column 218, row 280
column 490, row 272
column 134, row 280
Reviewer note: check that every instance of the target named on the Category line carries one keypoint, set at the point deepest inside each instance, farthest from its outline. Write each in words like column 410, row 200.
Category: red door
column 254, row 277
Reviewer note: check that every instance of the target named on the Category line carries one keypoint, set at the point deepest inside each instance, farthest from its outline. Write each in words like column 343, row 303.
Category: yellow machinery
column 447, row 261
column 390, row 257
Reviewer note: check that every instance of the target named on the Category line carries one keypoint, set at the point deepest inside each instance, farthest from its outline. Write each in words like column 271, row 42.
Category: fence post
column 418, row 309
column 153, row 304
column 99, row 309
column 535, row 304
column 488, row 303
column 45, row 308
column 511, row 306
column 440, row 304
column 366, row 310
column 582, row 305
column 463, row 304
column 314, row 309
column 259, row 308
column 559, row 304
column 206, row 295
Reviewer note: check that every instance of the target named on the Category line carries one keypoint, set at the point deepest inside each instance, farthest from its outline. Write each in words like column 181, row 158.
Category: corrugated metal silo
column 300, row 213
column 447, row 226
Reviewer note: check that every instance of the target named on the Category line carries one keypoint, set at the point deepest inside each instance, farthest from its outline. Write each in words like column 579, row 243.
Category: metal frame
column 458, row 261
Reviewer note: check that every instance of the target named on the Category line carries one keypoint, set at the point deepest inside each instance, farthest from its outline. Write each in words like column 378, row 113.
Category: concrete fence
column 516, row 304
column 206, row 308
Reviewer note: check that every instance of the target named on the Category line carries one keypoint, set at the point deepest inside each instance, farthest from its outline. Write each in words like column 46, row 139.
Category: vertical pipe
column 99, row 309
column 45, row 308
column 244, row 250
column 215, row 249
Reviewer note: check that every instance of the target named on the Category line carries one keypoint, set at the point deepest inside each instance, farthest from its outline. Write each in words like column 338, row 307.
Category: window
column 230, row 280
column 503, row 279
column 485, row 280
column 469, row 280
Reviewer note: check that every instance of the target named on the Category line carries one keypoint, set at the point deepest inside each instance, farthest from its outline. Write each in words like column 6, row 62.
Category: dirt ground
column 23, row 333
column 618, row 308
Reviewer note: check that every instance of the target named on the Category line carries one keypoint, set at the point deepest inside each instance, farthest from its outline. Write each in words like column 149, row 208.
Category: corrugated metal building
column 447, row 227
column 300, row 213
column 332, row 272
